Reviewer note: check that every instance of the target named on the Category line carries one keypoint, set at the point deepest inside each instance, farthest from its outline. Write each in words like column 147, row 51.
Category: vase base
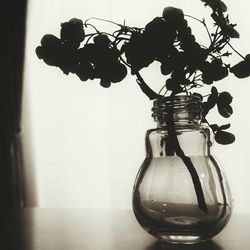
column 181, row 239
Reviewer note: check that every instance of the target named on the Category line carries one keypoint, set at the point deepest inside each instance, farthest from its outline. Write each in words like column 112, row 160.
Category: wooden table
column 80, row 229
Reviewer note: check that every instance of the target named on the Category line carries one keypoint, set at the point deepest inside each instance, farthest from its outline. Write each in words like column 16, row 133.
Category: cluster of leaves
column 167, row 39
column 223, row 102
column 99, row 59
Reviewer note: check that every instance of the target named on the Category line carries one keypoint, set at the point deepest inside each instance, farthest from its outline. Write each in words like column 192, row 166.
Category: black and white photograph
column 124, row 125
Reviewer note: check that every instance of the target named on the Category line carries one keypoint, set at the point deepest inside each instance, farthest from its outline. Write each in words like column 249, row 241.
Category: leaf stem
column 101, row 19
column 195, row 18
column 91, row 25
column 145, row 88
column 186, row 160
column 164, row 86
column 235, row 51
column 204, row 23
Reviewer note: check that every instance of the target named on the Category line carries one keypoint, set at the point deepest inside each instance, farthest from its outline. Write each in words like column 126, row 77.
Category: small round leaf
column 224, row 138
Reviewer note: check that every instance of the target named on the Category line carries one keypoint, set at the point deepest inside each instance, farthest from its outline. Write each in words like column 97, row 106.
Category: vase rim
column 176, row 100
column 186, row 109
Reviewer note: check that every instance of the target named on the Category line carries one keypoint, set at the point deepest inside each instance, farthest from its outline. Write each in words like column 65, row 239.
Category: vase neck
column 185, row 110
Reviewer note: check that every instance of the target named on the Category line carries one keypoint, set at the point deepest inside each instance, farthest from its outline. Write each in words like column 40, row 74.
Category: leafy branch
column 82, row 49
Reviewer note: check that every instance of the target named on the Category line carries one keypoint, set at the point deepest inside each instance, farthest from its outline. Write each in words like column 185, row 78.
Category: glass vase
column 180, row 193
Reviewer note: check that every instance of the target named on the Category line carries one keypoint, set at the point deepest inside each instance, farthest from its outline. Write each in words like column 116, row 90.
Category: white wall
column 83, row 143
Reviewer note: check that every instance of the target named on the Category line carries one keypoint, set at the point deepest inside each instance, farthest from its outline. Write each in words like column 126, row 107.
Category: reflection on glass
column 159, row 245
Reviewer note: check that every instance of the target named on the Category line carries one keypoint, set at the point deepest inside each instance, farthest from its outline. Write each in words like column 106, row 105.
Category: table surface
column 81, row 229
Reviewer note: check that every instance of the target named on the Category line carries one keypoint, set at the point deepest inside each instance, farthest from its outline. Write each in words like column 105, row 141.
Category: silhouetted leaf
column 198, row 95
column 214, row 90
column 50, row 50
column 226, row 126
column 224, row 98
column 173, row 85
column 205, row 108
column 166, row 67
column 119, row 72
column 50, row 41
column 214, row 127
column 173, row 15
column 105, row 83
column 216, row 5
column 102, row 40
column 39, row 52
column 211, row 100
column 223, row 137
column 225, row 111
column 159, row 34
column 220, row 73
column 242, row 69
column 72, row 32
column 227, row 54
column 138, row 52
column 84, row 70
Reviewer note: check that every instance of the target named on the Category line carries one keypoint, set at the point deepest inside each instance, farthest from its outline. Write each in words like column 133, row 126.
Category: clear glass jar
column 181, row 197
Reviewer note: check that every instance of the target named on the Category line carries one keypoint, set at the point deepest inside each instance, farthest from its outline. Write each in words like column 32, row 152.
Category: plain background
column 84, row 144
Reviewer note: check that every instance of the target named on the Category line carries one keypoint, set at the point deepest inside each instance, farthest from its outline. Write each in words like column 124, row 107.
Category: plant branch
column 91, row 25
column 209, row 35
column 145, row 88
column 235, row 50
column 164, row 86
column 187, row 161
column 204, row 23
column 195, row 18
column 101, row 19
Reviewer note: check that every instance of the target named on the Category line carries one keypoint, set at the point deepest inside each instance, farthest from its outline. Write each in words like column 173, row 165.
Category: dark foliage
column 167, row 39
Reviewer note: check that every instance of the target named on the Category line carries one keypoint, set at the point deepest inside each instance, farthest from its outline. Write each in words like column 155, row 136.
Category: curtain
column 12, row 19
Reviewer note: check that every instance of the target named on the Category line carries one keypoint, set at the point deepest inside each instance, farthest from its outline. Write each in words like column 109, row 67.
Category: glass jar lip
column 184, row 109
column 176, row 100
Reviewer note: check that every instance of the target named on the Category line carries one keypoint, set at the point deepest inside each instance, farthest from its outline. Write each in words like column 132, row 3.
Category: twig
column 101, row 19
column 235, row 50
column 187, row 161
column 161, row 89
column 204, row 23
column 145, row 88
